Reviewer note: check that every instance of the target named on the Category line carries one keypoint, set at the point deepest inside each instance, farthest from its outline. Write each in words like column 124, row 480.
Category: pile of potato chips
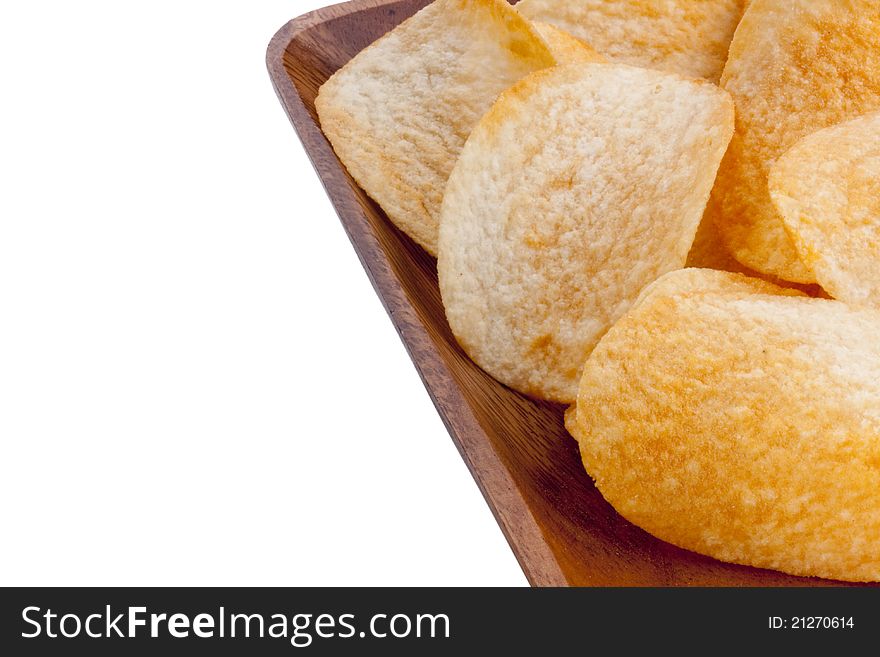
column 584, row 170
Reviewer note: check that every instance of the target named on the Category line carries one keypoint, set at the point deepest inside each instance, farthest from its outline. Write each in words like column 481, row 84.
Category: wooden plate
column 558, row 525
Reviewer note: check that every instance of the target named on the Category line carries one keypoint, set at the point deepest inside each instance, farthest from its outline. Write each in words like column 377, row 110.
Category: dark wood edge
column 495, row 482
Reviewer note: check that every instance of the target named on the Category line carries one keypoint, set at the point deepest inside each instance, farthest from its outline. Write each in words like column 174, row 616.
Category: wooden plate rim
column 522, row 532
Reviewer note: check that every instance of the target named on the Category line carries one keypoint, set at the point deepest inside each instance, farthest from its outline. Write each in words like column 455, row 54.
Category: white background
column 198, row 386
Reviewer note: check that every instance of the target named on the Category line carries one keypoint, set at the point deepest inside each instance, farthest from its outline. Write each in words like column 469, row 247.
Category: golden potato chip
column 709, row 251
column 571, row 422
column 681, row 36
column 693, row 281
column 581, row 185
column 565, row 48
column 741, row 425
column 399, row 112
column 827, row 190
column 795, row 66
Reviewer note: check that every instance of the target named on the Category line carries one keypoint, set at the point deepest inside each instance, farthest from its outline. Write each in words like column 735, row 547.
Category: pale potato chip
column 565, row 48
column 681, row 36
column 795, row 66
column 827, row 189
column 399, row 112
column 580, row 186
column 742, row 425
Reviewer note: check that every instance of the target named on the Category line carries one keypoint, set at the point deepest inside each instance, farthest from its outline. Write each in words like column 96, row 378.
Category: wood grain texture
column 527, row 467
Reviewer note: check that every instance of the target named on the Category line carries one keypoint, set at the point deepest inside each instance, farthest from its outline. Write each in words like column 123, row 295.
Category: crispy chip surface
column 565, row 48
column 399, row 112
column 795, row 66
column 827, row 190
column 741, row 424
column 682, row 36
column 580, row 186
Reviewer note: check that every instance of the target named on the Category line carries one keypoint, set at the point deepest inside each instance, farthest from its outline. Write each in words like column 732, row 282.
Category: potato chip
column 399, row 112
column 744, row 425
column 827, row 190
column 565, row 48
column 709, row 251
column 681, row 36
column 795, row 66
column 581, row 185
column 571, row 422
column 693, row 281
